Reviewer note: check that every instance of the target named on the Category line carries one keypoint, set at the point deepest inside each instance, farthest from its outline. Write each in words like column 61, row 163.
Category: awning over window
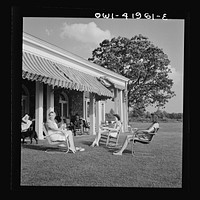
column 37, row 68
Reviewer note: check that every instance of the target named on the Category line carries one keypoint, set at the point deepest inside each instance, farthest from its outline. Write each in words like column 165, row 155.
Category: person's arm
column 52, row 127
column 116, row 128
column 145, row 133
column 148, row 130
column 153, row 128
column 140, row 132
column 24, row 121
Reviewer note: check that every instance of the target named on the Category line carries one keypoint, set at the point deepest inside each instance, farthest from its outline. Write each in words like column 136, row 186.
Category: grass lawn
column 98, row 167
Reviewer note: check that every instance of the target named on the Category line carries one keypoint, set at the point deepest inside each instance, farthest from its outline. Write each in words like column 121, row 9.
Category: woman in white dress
column 59, row 134
column 111, row 131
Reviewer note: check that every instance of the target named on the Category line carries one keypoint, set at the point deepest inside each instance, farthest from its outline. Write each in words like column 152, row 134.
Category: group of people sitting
column 76, row 124
column 62, row 134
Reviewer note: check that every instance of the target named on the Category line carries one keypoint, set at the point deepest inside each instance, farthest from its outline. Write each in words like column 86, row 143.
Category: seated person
column 26, row 123
column 59, row 134
column 111, row 131
column 85, row 124
column 58, row 120
column 139, row 134
column 77, row 124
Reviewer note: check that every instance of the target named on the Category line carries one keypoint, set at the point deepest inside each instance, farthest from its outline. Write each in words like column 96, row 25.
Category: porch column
column 125, row 115
column 126, row 106
column 39, row 110
column 92, row 115
column 50, row 100
column 116, row 100
column 103, row 111
column 98, row 115
column 84, row 106
column 121, row 108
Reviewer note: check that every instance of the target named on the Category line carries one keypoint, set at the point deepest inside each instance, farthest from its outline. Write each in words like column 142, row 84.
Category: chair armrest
column 134, row 131
column 107, row 133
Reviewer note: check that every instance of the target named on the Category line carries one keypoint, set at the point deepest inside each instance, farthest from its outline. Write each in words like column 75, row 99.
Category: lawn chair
column 45, row 130
column 149, row 137
column 109, row 140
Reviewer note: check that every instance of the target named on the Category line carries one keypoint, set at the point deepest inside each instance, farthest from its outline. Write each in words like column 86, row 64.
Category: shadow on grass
column 42, row 147
column 126, row 151
column 88, row 143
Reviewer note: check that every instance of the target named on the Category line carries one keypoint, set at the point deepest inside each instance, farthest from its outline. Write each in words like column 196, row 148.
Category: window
column 63, row 106
column 24, row 101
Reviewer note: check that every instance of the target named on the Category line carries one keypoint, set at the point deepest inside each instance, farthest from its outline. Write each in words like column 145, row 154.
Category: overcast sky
column 82, row 35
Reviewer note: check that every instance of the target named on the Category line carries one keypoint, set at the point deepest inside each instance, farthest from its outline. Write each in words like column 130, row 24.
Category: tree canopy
column 146, row 65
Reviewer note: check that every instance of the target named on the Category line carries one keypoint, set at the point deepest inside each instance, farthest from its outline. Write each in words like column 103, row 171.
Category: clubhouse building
column 54, row 79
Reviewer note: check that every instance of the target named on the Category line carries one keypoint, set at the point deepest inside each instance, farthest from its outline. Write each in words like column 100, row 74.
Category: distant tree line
column 142, row 115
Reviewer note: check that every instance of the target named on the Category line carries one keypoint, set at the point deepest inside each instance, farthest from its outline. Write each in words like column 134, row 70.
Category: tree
column 143, row 63
column 137, row 112
column 159, row 113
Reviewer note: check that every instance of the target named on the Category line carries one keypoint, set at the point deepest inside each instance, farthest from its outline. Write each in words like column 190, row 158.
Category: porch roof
column 37, row 68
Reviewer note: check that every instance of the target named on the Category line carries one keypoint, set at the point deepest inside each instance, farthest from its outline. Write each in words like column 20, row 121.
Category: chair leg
column 140, row 154
column 132, row 150
column 107, row 141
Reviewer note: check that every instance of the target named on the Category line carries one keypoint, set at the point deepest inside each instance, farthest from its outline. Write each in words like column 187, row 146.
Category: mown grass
column 98, row 167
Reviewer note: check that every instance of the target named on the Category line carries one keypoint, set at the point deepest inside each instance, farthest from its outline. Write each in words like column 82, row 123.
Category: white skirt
column 56, row 136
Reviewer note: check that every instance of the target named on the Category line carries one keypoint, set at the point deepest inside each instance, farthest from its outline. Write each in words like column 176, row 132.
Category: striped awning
column 40, row 69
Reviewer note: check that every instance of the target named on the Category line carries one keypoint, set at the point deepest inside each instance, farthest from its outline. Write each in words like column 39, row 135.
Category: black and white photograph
column 102, row 100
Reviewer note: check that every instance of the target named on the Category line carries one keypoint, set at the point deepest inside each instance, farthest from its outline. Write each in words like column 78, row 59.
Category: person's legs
column 97, row 138
column 69, row 137
column 126, row 141
column 95, row 142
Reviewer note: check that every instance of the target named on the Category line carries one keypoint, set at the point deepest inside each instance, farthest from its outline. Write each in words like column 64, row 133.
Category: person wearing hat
column 110, row 131
column 139, row 134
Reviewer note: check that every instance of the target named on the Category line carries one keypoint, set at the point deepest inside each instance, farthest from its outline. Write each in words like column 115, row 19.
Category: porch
column 55, row 80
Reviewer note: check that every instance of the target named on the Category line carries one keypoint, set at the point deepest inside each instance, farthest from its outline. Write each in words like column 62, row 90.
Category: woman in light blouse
column 111, row 131
column 59, row 134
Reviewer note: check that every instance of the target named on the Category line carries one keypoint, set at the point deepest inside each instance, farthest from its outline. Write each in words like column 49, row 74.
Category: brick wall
column 76, row 102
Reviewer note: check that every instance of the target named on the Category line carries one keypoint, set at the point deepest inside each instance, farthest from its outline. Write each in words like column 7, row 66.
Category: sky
column 82, row 35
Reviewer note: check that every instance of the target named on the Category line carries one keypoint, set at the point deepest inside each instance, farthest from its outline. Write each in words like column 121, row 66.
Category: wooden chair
column 47, row 137
column 109, row 140
column 149, row 137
